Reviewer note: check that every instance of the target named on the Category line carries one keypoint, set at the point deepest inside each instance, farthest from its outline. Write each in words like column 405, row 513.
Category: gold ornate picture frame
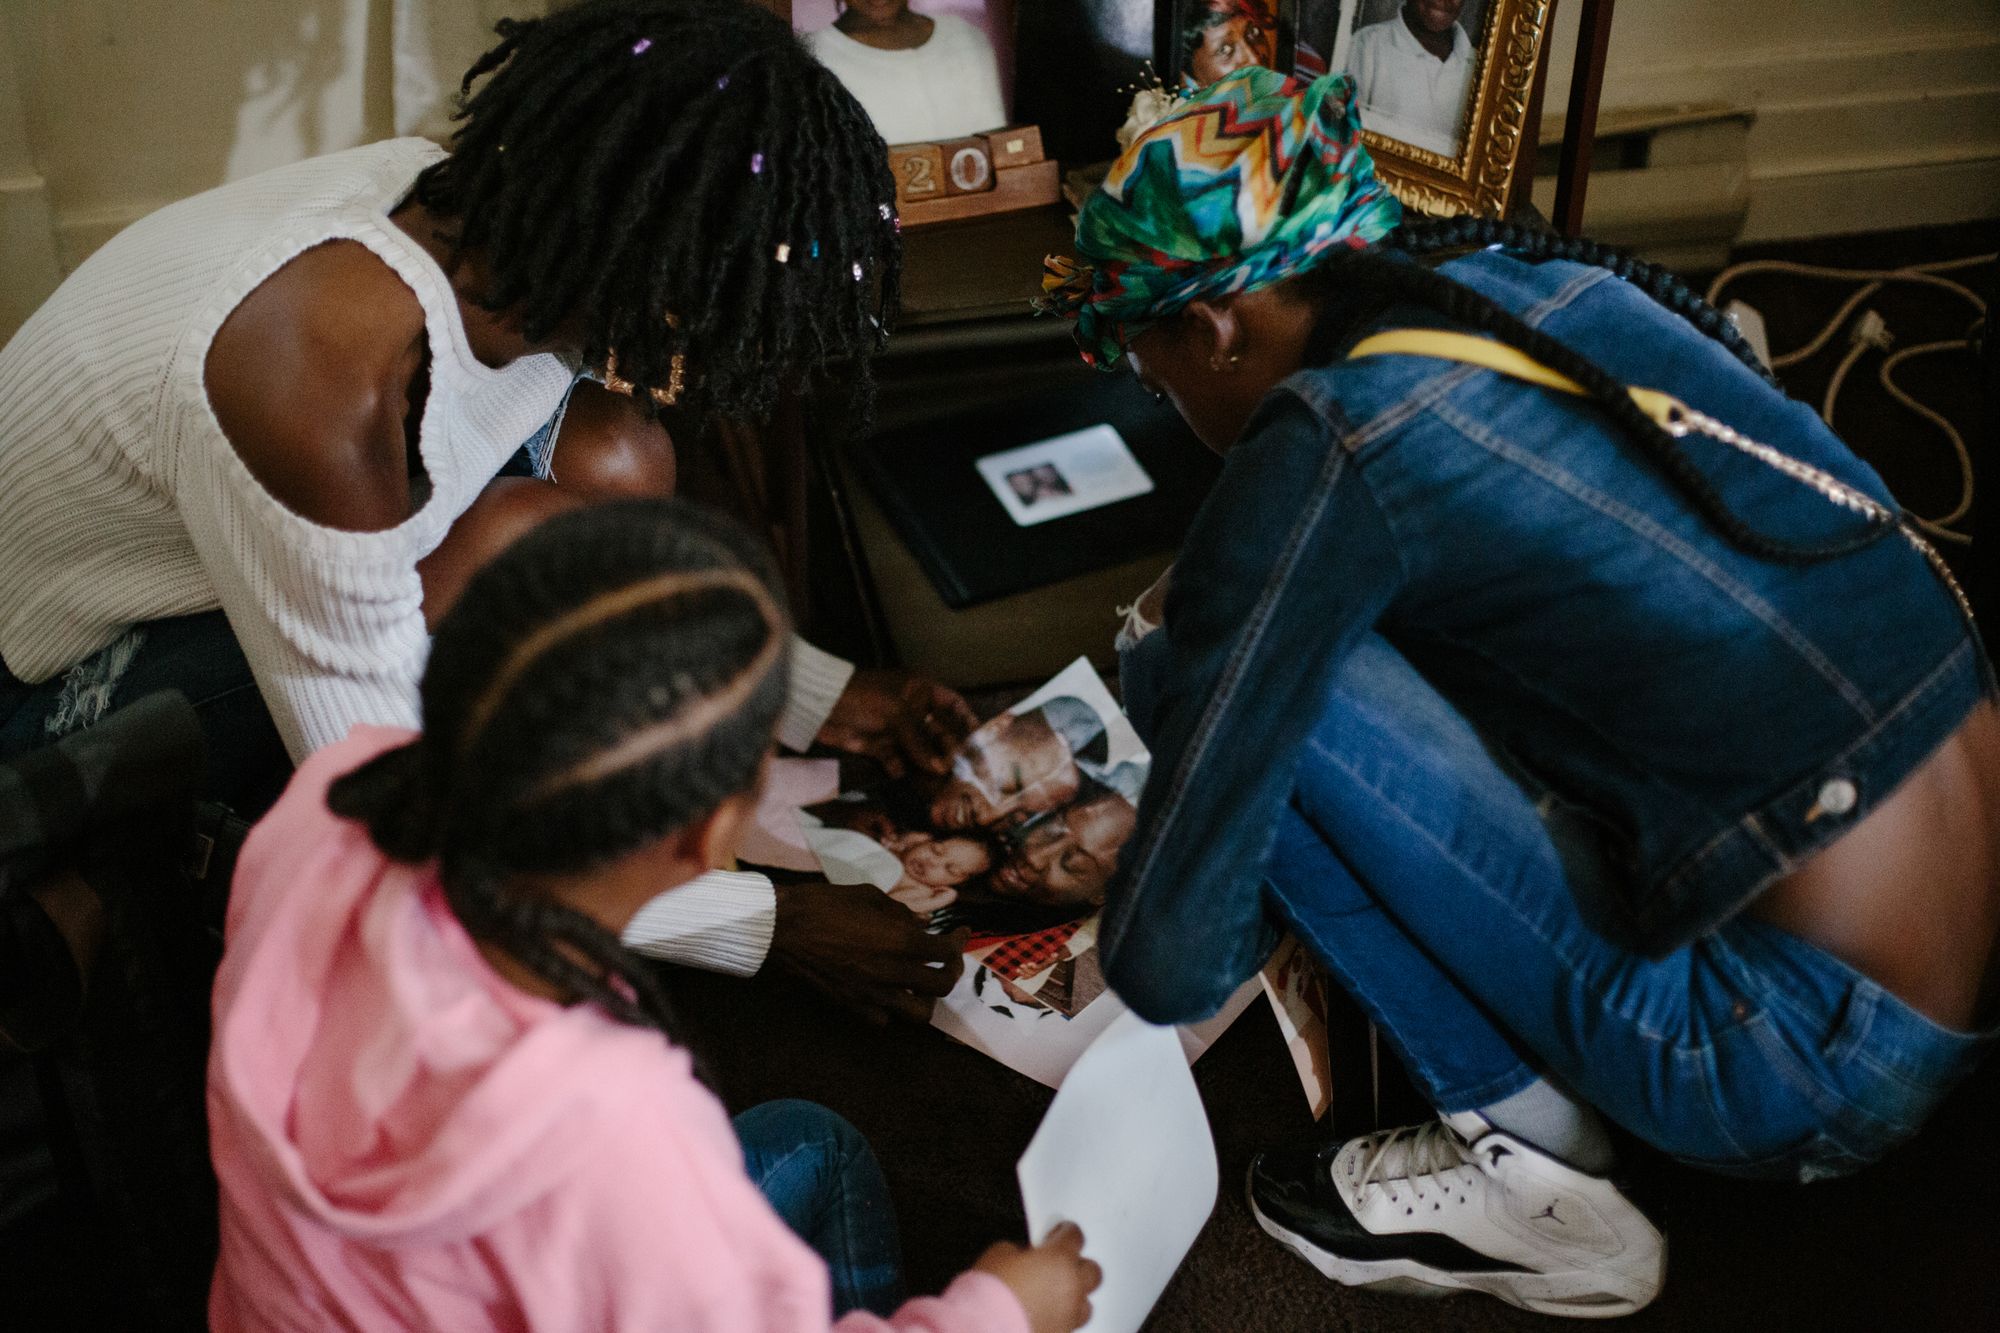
column 1494, row 141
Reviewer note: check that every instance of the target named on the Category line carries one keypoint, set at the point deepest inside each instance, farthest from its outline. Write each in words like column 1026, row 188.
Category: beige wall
column 130, row 104
column 28, row 265
column 1869, row 113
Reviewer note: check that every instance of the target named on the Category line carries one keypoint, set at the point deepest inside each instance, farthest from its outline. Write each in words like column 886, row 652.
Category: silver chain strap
column 1684, row 420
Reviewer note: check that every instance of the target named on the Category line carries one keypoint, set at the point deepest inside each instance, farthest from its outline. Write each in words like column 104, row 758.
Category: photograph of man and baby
column 1015, row 844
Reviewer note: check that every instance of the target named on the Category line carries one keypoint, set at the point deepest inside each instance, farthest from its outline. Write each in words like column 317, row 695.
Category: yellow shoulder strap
column 1502, row 359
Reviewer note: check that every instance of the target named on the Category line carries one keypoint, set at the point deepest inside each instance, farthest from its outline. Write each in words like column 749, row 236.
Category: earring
column 667, row 397
column 676, row 374
column 1218, row 367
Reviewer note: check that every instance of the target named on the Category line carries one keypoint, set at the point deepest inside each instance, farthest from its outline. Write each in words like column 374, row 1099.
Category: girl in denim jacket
column 1626, row 755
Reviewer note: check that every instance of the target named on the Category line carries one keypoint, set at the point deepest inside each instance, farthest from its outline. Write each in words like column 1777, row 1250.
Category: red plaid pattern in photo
column 1018, row 956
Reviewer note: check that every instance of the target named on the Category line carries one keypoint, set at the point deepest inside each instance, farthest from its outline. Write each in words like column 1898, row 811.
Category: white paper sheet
column 774, row 837
column 1125, row 1153
column 1065, row 475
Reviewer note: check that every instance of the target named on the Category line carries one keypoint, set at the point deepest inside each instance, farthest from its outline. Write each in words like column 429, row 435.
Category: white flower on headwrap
column 1149, row 107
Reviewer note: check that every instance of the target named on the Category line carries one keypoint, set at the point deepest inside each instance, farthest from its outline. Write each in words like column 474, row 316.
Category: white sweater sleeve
column 332, row 622
column 719, row 922
column 723, row 921
column 818, row 679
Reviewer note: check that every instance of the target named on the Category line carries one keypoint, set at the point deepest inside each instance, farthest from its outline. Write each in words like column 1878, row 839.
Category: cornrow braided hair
column 1371, row 270
column 612, row 678
column 663, row 177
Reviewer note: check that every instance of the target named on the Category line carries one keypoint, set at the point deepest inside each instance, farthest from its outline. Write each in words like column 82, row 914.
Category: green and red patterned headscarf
column 1247, row 182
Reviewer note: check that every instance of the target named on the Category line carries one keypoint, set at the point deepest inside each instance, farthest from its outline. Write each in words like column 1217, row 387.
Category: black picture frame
column 1076, row 65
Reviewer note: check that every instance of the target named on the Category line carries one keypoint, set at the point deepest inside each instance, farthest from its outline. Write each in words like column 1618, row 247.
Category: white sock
column 1556, row 1122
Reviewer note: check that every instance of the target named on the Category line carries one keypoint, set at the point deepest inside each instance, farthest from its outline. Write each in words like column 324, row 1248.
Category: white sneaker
column 1457, row 1205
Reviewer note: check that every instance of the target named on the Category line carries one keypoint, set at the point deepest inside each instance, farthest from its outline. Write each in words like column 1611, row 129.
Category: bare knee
column 612, row 447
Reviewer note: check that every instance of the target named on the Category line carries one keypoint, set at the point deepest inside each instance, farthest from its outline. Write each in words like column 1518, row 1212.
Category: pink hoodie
column 404, row 1141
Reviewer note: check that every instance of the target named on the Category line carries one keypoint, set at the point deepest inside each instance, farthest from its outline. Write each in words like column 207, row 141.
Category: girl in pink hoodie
column 441, row 1095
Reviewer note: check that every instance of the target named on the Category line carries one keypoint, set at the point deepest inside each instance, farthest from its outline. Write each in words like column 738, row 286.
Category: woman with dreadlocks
column 442, row 1095
column 253, row 446
column 1594, row 715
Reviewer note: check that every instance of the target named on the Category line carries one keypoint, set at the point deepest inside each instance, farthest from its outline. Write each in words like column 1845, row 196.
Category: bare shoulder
column 309, row 377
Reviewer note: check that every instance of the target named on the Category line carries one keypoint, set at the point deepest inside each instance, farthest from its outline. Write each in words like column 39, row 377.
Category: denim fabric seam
column 1458, row 1099
column 1851, row 1042
column 1275, row 583
column 1772, row 995
column 1753, row 828
column 1439, row 385
column 1651, row 530
column 1862, row 1055
column 1833, row 1108
column 1426, row 395
column 1702, row 1073
column 229, row 692
column 1557, row 947
column 1938, row 677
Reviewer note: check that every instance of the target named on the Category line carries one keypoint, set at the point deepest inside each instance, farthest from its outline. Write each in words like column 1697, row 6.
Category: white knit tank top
column 121, row 501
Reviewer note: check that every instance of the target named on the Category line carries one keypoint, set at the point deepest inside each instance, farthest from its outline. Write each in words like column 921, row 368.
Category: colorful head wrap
column 1249, row 181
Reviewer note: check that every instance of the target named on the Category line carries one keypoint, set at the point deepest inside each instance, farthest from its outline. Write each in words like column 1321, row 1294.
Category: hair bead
column 590, row 101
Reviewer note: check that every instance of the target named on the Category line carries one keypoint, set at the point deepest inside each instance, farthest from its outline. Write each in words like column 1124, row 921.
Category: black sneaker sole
column 1562, row 1294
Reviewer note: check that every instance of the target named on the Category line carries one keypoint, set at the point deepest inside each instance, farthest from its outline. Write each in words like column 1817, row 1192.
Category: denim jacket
column 1718, row 716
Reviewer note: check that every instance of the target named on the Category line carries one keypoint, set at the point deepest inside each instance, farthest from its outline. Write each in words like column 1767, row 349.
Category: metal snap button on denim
column 1837, row 797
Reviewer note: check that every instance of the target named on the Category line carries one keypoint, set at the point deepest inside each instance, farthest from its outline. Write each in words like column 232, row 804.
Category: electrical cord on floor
column 1869, row 331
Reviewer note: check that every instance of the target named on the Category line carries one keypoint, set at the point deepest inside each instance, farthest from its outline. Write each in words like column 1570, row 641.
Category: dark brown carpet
column 1912, row 1244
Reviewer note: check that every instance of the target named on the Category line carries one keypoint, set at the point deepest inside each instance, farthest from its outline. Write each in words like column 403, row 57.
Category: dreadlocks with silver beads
column 611, row 679
column 667, row 179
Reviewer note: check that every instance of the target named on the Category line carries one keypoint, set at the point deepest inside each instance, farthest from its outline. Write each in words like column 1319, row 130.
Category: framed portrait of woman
column 924, row 70
column 1444, row 87
column 931, row 71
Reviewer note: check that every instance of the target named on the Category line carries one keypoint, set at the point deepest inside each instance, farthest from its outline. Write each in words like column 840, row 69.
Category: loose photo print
column 1297, row 990
column 1016, row 844
column 1023, row 833
column 1068, row 474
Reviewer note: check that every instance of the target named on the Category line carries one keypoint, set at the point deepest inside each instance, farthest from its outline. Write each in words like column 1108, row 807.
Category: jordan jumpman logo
column 1550, row 1213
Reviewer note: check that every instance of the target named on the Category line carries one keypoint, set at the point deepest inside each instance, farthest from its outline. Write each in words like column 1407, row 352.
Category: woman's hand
column 1053, row 1280
column 899, row 719
column 864, row 950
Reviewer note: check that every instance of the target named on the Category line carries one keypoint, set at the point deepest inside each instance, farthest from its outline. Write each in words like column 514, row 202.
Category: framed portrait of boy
column 1444, row 87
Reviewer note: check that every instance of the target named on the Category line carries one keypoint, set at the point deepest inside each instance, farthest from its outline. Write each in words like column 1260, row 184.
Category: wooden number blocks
column 976, row 176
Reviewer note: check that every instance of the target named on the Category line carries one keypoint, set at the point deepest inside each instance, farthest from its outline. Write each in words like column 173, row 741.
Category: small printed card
column 1064, row 475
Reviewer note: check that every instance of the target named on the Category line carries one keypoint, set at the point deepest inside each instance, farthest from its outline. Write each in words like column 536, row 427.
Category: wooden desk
column 986, row 269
